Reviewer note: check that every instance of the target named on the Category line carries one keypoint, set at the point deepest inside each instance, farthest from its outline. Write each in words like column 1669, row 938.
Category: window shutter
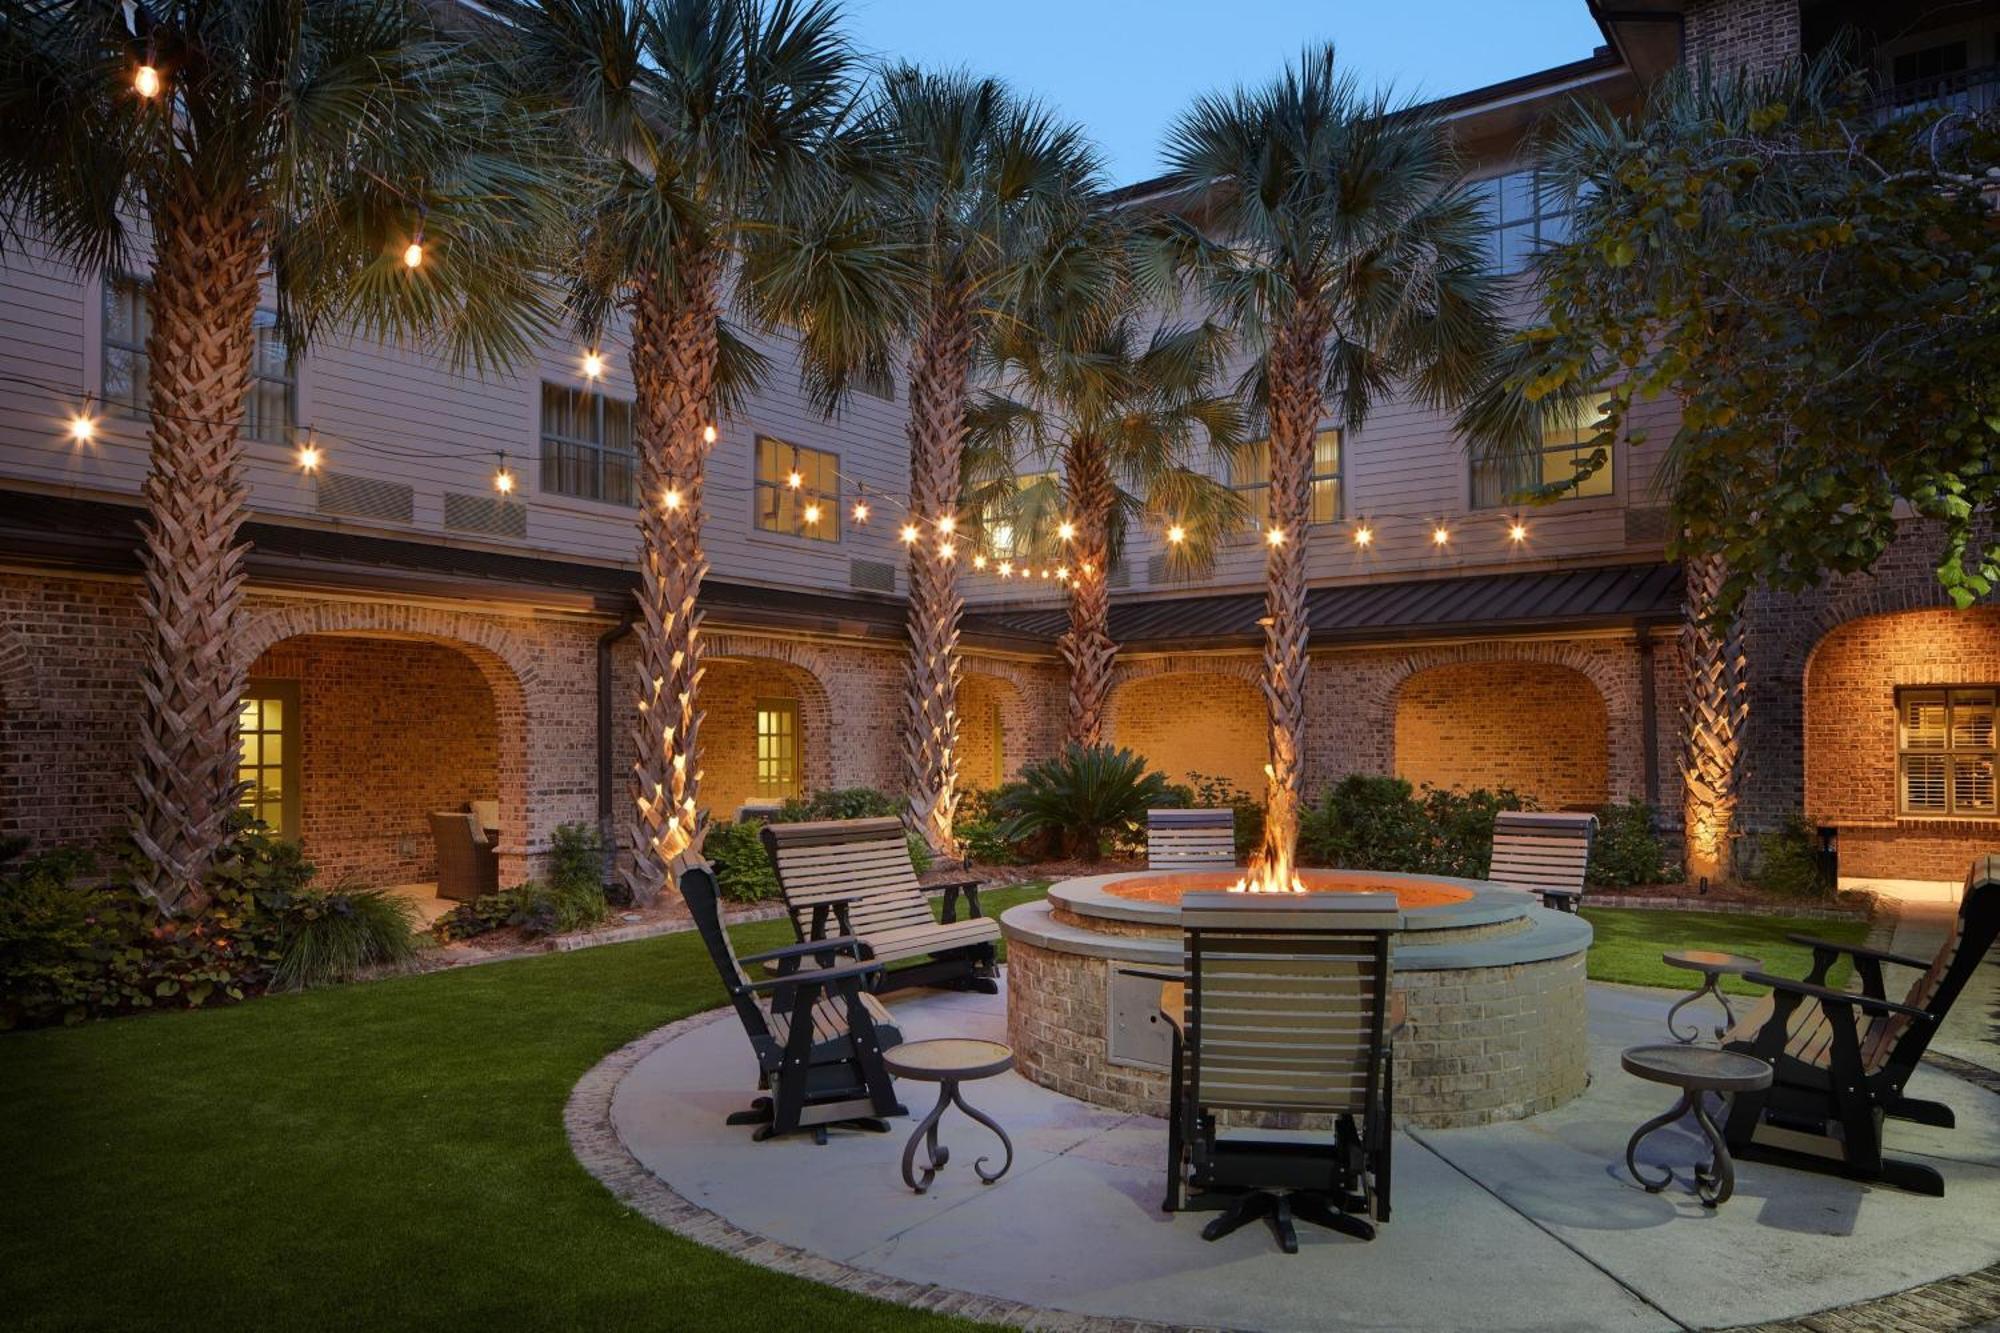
column 1924, row 717
column 1924, row 784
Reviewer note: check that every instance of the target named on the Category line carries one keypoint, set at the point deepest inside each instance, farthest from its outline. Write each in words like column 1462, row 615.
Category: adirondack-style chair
column 817, row 1033
column 1285, row 1009
column 853, row 877
column 1546, row 854
column 1190, row 840
column 1839, row 1060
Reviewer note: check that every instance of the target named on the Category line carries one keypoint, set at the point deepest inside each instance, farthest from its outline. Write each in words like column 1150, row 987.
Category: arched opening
column 1189, row 723
column 1531, row 727
column 1900, row 742
column 764, row 734
column 992, row 730
column 352, row 740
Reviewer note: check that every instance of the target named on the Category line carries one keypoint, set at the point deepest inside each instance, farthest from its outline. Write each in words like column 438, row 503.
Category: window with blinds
column 1250, row 475
column 587, row 445
column 1946, row 751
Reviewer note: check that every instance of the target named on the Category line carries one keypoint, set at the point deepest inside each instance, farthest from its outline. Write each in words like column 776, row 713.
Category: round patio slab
column 1527, row 1225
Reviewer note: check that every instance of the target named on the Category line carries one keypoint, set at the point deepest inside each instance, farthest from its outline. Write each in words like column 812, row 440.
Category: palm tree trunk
column 1294, row 416
column 1088, row 648
column 1717, row 706
column 207, row 267
column 674, row 353
column 940, row 369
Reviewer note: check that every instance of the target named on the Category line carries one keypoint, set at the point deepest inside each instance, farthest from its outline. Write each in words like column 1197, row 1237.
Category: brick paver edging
column 1969, row 1301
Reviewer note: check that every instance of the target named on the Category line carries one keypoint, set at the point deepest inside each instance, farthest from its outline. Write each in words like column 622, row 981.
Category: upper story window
column 1528, row 212
column 1946, row 751
column 1002, row 542
column 1565, row 451
column 1250, row 474
column 270, row 408
column 798, row 490
column 587, row 445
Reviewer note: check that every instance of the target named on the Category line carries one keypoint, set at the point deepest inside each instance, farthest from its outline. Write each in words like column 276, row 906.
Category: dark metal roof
column 1602, row 597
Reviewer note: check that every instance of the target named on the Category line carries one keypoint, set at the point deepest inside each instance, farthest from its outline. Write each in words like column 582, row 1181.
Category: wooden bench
column 1190, row 839
column 1546, row 854
column 854, row 877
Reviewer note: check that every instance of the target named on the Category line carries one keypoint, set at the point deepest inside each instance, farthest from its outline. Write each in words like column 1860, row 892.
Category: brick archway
column 1192, row 714
column 20, row 708
column 737, row 670
column 994, row 725
column 1537, row 728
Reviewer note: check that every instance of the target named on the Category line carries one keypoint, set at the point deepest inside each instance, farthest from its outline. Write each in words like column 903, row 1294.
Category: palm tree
column 993, row 205
column 1334, row 233
column 219, row 146
column 721, row 150
column 1122, row 412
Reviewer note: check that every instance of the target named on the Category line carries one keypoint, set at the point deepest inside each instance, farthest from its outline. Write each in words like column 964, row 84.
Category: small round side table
column 1713, row 968
column 1694, row 1070
column 948, row 1062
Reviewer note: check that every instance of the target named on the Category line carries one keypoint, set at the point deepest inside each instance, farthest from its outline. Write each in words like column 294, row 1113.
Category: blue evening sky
column 1124, row 68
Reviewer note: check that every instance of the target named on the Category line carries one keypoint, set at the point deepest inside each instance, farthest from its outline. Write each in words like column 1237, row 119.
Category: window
column 587, row 445
column 269, row 764
column 1566, row 450
column 1945, row 745
column 1250, row 473
column 1001, row 541
column 777, row 747
column 782, row 507
column 270, row 409
column 1527, row 212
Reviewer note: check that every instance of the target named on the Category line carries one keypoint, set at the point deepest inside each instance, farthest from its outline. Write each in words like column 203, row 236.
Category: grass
column 1630, row 941
column 393, row 1153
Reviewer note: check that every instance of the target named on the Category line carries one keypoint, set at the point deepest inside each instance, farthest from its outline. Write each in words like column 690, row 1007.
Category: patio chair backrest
column 1190, row 839
column 1541, row 852
column 862, row 862
column 1967, row 939
column 486, row 812
column 1287, row 999
column 465, row 865
column 704, row 903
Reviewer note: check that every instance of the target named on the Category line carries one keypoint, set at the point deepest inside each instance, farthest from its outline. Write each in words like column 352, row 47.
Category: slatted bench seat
column 854, row 877
column 1544, row 853
column 1190, row 839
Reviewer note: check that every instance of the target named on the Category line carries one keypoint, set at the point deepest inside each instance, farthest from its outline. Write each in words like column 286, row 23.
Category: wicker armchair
column 468, row 868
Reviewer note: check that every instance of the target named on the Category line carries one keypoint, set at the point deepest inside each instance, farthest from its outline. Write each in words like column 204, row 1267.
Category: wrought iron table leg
column 1728, row 1014
column 1708, row 987
column 926, row 1133
column 1715, row 1182
column 1657, row 1122
column 979, row 1163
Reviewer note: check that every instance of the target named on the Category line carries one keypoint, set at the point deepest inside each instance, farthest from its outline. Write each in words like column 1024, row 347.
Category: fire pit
column 1491, row 990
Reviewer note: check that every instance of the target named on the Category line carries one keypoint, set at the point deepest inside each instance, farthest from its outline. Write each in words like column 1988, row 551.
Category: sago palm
column 719, row 145
column 993, row 204
column 1333, row 231
column 213, row 148
column 1123, row 415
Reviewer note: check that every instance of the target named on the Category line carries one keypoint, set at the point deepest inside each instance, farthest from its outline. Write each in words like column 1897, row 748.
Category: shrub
column 742, row 868
column 1082, row 799
column 576, row 857
column 330, row 937
column 980, row 829
column 538, row 909
column 57, row 937
column 1788, row 861
column 1627, row 850
column 1378, row 823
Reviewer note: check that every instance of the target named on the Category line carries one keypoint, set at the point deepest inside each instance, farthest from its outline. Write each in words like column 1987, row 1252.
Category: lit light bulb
column 1440, row 535
column 1518, row 532
column 1045, row 573
column 413, row 256
column 83, row 428
column 947, row 523
column 146, row 81
column 794, row 480
column 593, row 365
column 1006, row 569
column 910, row 534
column 1362, row 536
column 308, row 457
column 708, row 435
column 979, row 562
column 1088, row 568
column 946, row 550
column 860, row 511
column 1065, row 529
column 503, row 482
column 812, row 513
column 1177, row 534
column 672, row 499
column 1062, row 574
column 1275, row 536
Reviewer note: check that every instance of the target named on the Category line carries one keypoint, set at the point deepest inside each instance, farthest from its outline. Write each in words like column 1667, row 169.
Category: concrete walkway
column 1532, row 1225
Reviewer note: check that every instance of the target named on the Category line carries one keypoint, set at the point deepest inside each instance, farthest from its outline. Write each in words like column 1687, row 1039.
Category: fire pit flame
column 1272, row 869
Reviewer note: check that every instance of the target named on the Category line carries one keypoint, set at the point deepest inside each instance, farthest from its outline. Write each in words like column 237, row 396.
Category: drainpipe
column 604, row 644
column 1649, row 710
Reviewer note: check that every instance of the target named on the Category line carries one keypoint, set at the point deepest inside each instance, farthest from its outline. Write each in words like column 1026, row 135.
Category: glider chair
column 1545, row 853
column 817, row 1033
column 1285, row 1012
column 1840, row 1059
column 856, row 874
column 1190, row 840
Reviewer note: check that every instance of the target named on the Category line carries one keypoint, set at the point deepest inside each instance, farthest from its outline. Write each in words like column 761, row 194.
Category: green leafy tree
column 217, row 147
column 1332, row 231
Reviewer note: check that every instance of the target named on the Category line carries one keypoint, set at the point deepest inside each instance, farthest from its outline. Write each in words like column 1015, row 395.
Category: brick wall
column 731, row 690
column 1213, row 723
column 1536, row 728
column 388, row 731
column 1731, row 35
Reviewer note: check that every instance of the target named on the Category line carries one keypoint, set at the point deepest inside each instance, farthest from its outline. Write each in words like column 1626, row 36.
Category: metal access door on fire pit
column 1136, row 1034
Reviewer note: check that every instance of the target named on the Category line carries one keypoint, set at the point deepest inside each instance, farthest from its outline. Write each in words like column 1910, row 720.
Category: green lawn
column 1630, row 941
column 393, row 1153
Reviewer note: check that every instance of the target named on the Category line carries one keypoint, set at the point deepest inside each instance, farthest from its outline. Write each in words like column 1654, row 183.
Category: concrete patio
column 1530, row 1225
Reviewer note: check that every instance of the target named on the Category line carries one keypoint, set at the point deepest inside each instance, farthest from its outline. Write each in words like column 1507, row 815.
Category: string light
column 82, row 428
column 146, row 81
column 1045, row 573
column 1176, row 534
column 1006, row 569
column 1276, row 536
column 708, row 435
column 1518, row 532
column 1062, row 574
column 860, row 511
column 413, row 254
column 979, row 562
column 672, row 499
column 593, row 365
column 946, row 550
column 503, row 480
column 1363, row 535
column 309, row 454
column 812, row 514
column 1066, row 530
column 910, row 534
column 1088, row 569
column 1441, row 535
column 946, row 524
column 793, row 480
